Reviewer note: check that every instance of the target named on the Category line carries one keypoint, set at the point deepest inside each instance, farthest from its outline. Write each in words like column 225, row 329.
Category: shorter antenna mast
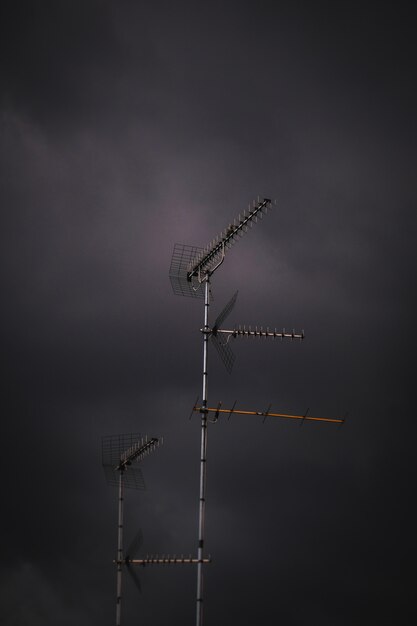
column 119, row 454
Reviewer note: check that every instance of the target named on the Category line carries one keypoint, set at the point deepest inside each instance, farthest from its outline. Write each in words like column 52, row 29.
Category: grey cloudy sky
column 127, row 127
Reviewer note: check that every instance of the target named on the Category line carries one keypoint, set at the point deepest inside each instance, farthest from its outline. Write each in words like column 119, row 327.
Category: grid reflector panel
column 182, row 257
column 225, row 352
column 112, row 449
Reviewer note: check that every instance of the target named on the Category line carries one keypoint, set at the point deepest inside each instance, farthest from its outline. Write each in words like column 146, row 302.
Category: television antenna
column 121, row 455
column 190, row 273
column 233, row 411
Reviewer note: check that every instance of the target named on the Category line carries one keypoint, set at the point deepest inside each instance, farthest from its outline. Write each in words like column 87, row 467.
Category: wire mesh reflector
column 225, row 313
column 113, row 448
column 225, row 353
column 182, row 257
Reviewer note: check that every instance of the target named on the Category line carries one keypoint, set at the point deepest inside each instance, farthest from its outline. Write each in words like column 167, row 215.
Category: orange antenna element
column 267, row 413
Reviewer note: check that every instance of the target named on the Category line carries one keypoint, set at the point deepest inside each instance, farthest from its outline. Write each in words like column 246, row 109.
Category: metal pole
column 202, row 502
column 119, row 551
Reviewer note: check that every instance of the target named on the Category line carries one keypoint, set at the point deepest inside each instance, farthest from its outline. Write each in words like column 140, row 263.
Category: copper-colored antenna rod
column 218, row 410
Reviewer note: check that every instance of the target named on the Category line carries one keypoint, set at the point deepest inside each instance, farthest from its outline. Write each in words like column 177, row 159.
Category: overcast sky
column 127, row 127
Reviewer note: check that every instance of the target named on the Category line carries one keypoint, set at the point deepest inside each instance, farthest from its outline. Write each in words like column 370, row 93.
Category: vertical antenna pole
column 202, row 502
column 119, row 551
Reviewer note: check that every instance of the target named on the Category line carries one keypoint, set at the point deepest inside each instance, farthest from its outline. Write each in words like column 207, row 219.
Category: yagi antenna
column 167, row 560
column 190, row 265
column 130, row 559
column 301, row 418
column 121, row 455
column 223, row 346
column 208, row 260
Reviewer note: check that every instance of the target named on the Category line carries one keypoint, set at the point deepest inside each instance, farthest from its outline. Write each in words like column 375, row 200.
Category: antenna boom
column 206, row 262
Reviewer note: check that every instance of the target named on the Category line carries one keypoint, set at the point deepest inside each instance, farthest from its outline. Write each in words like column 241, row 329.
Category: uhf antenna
column 121, row 455
column 191, row 266
column 220, row 337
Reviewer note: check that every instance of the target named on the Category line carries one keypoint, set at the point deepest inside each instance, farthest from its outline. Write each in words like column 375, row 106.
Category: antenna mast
column 121, row 453
column 190, row 272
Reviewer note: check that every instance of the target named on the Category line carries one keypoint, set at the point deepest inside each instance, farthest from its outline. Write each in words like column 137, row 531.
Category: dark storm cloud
column 66, row 64
column 126, row 128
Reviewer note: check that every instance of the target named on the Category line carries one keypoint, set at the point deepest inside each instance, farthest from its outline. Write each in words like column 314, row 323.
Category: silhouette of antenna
column 121, row 455
column 190, row 273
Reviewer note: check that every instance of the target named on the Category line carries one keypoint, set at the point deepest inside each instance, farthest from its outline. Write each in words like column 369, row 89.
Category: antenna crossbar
column 136, row 452
column 249, row 332
column 164, row 560
column 217, row 410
